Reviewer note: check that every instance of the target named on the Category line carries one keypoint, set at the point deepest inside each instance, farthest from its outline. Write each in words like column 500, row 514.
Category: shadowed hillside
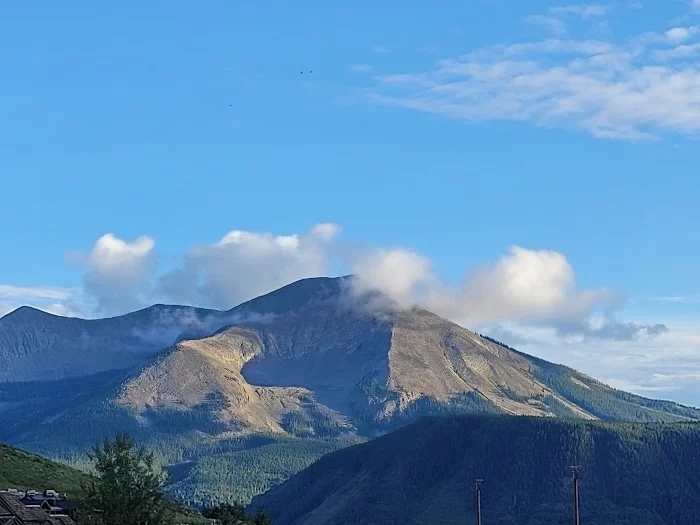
column 635, row 474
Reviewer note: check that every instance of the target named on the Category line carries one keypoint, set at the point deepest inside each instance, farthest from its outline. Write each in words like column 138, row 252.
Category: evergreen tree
column 126, row 490
column 227, row 514
column 235, row 515
column 261, row 518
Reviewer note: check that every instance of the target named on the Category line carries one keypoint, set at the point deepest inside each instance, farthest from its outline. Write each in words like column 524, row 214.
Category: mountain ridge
column 631, row 474
column 301, row 362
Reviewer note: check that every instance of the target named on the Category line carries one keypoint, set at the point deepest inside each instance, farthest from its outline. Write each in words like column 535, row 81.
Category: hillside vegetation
column 632, row 474
column 22, row 470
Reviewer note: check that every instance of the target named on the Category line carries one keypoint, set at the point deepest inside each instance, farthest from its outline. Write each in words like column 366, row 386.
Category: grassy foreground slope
column 22, row 470
column 25, row 471
column 632, row 473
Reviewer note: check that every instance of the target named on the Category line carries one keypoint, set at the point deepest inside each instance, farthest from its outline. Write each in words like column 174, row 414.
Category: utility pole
column 478, row 500
column 575, row 471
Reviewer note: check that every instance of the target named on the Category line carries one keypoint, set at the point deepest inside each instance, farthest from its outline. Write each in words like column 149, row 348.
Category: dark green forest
column 237, row 475
column 631, row 474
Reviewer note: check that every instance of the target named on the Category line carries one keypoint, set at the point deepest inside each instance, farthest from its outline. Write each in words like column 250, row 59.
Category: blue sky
column 447, row 136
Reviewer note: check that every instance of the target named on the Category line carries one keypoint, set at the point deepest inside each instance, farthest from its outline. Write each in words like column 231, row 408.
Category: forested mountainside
column 306, row 362
column 631, row 474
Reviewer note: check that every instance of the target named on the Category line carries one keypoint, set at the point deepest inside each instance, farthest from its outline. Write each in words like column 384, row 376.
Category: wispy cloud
column 667, row 365
column 582, row 10
column 552, row 24
column 678, row 299
column 641, row 89
column 685, row 51
column 39, row 292
column 59, row 301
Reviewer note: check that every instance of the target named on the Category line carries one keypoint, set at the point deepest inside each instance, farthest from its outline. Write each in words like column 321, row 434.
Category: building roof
column 14, row 512
column 61, row 520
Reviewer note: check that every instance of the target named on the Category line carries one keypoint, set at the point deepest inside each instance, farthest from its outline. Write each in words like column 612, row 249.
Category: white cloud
column 535, row 287
column 119, row 273
column 680, row 34
column 531, row 287
column 695, row 4
column 683, row 51
column 243, row 265
column 381, row 49
column 641, row 89
column 404, row 276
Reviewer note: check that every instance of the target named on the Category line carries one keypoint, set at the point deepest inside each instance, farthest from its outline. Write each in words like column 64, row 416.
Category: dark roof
column 21, row 514
column 38, row 499
column 61, row 520
column 65, row 504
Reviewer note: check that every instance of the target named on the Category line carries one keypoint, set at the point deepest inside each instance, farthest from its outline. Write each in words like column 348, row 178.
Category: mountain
column 36, row 345
column 24, row 471
column 310, row 361
column 641, row 474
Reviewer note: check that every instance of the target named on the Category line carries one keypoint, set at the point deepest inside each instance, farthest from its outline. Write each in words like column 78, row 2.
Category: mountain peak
column 295, row 295
column 27, row 312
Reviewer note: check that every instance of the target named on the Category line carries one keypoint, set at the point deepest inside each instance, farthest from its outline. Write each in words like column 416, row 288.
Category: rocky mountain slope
column 349, row 369
column 36, row 345
column 323, row 366
column 306, row 361
column 641, row 474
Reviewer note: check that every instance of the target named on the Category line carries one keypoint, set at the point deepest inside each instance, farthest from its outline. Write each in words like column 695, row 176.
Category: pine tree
column 126, row 490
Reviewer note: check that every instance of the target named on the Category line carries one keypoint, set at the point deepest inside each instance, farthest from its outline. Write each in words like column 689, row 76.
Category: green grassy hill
column 632, row 474
column 25, row 471
column 22, row 470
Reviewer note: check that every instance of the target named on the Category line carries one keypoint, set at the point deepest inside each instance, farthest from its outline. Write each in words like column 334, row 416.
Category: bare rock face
column 345, row 365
